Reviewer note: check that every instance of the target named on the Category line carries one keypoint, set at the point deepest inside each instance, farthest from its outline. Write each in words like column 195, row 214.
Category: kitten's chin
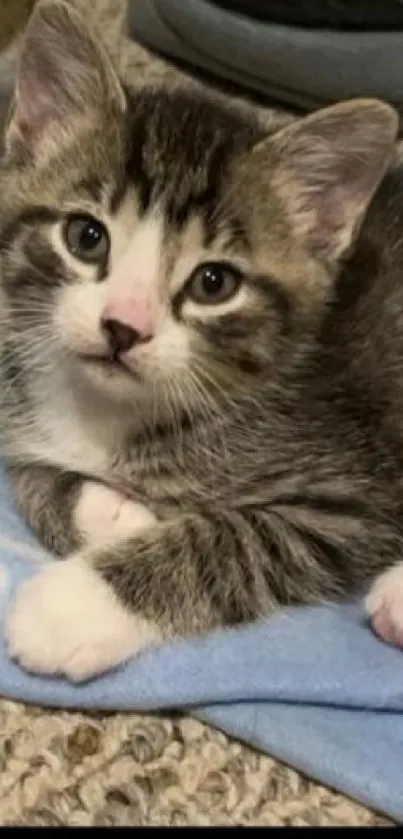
column 111, row 379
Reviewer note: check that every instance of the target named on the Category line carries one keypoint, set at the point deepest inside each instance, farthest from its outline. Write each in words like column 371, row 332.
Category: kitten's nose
column 122, row 337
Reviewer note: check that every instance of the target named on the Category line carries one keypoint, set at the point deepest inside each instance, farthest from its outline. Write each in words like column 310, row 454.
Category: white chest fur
column 67, row 432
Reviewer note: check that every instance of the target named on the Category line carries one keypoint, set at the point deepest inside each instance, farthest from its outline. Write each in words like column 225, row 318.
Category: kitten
column 201, row 389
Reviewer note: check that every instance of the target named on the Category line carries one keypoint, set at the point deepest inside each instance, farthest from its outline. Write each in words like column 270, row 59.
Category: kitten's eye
column 213, row 282
column 86, row 238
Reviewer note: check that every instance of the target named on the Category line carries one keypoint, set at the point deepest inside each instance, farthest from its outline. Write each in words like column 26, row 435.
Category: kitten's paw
column 103, row 514
column 384, row 606
column 67, row 621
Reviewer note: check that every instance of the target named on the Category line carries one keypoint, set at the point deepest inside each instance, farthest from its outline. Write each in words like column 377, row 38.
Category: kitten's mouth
column 112, row 365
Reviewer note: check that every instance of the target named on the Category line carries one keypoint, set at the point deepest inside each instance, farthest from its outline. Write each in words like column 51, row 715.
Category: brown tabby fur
column 277, row 480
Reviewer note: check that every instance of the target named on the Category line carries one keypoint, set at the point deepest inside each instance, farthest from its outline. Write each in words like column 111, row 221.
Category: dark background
column 334, row 14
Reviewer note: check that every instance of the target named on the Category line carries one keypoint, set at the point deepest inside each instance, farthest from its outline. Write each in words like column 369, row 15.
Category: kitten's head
column 157, row 244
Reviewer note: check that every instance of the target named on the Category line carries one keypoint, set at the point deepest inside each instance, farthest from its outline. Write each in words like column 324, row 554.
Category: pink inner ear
column 38, row 102
column 28, row 123
column 61, row 73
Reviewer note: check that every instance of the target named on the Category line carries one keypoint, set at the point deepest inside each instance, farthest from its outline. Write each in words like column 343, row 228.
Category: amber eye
column 213, row 282
column 86, row 238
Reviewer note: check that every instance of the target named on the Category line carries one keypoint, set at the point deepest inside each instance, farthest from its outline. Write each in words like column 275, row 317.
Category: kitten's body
column 264, row 445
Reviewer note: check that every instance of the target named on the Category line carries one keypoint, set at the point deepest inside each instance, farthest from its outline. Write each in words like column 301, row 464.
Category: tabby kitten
column 201, row 407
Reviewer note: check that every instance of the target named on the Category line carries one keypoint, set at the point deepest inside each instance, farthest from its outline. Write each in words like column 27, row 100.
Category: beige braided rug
column 65, row 768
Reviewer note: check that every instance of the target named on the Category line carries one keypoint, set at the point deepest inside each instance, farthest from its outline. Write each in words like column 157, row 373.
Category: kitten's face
column 143, row 273
column 160, row 248
column 160, row 283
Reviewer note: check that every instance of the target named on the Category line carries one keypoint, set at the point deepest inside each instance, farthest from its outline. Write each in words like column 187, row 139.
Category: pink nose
column 127, row 323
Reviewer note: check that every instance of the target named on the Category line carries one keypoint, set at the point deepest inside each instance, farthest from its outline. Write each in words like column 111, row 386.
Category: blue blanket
column 312, row 686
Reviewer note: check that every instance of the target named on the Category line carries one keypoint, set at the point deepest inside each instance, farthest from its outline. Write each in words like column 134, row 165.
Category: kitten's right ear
column 63, row 75
column 325, row 169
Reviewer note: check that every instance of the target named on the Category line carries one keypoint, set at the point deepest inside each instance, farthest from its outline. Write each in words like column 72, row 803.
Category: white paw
column 102, row 514
column 384, row 605
column 67, row 621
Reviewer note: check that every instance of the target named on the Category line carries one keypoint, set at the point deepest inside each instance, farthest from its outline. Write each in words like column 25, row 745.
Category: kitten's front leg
column 67, row 619
column 103, row 606
column 67, row 616
column 47, row 498
column 68, row 511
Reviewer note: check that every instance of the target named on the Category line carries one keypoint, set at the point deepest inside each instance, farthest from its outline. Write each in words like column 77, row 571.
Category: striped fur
column 270, row 451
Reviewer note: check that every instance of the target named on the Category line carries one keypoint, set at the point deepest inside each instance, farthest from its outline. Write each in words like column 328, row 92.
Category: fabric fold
column 311, row 686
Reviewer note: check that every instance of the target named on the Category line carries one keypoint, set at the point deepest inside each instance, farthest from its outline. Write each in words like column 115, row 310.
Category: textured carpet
column 59, row 768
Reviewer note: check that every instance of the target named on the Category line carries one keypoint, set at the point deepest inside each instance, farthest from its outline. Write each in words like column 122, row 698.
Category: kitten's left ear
column 63, row 76
column 325, row 169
